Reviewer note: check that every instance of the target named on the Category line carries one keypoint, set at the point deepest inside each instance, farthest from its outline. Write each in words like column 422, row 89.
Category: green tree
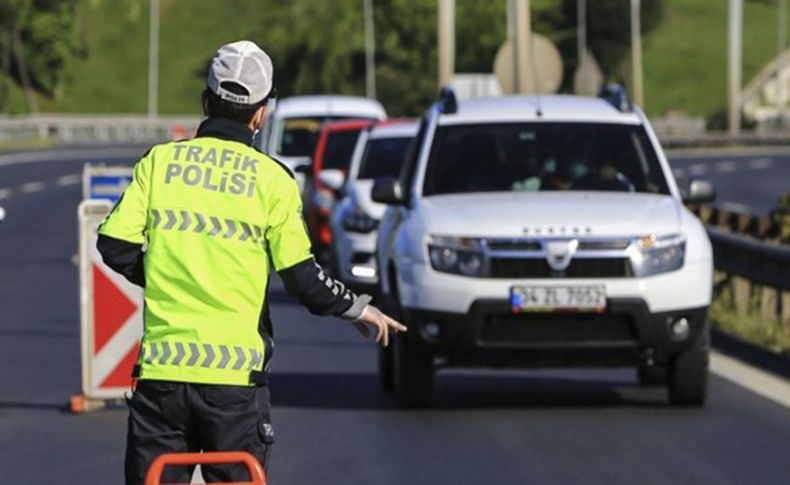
column 37, row 39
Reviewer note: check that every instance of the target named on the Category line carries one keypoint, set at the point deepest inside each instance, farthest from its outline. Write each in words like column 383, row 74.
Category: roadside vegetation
column 91, row 56
column 770, row 334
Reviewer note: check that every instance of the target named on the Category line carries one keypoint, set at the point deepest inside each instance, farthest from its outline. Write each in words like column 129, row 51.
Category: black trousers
column 175, row 417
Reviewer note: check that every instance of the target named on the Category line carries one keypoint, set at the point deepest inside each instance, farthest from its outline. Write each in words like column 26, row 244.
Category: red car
column 332, row 153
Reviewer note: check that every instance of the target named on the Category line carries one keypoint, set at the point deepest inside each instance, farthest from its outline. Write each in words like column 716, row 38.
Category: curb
column 758, row 357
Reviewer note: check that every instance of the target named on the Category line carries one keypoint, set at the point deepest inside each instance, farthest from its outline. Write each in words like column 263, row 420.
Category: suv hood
column 551, row 214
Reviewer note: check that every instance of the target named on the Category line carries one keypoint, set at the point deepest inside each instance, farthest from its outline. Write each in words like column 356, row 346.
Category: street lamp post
column 153, row 59
column 370, row 50
column 636, row 51
column 734, row 65
column 446, row 42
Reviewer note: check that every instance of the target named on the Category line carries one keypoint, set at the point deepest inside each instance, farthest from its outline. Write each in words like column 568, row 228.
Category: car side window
column 412, row 155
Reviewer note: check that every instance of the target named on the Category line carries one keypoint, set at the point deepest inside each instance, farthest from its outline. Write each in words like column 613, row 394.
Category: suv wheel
column 385, row 367
column 688, row 373
column 653, row 375
column 385, row 354
column 413, row 374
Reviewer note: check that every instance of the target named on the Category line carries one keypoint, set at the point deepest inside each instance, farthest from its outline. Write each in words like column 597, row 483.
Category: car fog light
column 363, row 271
column 680, row 329
column 432, row 329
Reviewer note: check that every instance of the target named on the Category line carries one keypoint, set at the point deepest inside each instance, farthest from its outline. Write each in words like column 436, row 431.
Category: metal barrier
column 743, row 262
column 759, row 262
column 98, row 128
column 673, row 131
column 257, row 476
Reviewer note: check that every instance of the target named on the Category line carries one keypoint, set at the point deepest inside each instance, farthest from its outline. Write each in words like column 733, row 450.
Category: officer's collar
column 225, row 129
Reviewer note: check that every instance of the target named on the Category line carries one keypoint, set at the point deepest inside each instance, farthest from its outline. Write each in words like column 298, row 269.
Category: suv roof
column 330, row 106
column 538, row 108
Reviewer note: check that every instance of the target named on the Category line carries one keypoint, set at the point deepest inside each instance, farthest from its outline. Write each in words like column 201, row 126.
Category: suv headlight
column 357, row 220
column 653, row 255
column 456, row 255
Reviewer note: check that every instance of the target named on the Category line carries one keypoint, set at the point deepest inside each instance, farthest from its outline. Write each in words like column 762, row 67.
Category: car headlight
column 357, row 220
column 653, row 255
column 462, row 256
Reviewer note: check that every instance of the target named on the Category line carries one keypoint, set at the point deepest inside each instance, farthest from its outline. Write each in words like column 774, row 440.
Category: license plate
column 590, row 298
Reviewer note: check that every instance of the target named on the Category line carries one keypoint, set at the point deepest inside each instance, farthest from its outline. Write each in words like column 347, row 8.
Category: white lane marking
column 31, row 187
column 71, row 154
column 759, row 382
column 761, row 163
column 71, row 179
column 698, row 169
column 5, row 193
column 679, row 172
column 726, row 166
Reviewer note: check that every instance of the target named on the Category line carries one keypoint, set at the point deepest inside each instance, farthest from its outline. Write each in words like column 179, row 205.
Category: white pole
column 153, row 59
column 781, row 44
column 519, row 30
column 581, row 30
column 370, row 51
column 636, row 52
column 446, row 42
column 734, row 65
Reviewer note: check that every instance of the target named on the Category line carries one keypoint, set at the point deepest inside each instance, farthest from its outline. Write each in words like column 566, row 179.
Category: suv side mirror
column 699, row 192
column 332, row 178
column 388, row 191
column 303, row 168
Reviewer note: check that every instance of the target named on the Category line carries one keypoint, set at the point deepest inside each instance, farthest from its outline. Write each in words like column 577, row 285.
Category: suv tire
column 385, row 368
column 688, row 373
column 654, row 375
column 413, row 374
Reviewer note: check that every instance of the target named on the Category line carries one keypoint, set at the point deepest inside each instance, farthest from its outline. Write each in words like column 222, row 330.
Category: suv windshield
column 531, row 157
column 383, row 157
column 339, row 149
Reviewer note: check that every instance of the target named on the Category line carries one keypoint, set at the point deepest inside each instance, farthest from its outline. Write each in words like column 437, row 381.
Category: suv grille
column 579, row 268
column 557, row 327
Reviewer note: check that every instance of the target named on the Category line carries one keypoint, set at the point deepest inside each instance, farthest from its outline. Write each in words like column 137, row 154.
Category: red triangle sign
column 111, row 309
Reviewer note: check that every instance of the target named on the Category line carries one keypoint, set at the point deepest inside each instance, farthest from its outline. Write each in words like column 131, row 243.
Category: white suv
column 543, row 231
column 379, row 152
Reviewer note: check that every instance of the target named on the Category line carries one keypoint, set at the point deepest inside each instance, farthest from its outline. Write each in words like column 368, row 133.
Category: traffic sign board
column 100, row 182
column 111, row 315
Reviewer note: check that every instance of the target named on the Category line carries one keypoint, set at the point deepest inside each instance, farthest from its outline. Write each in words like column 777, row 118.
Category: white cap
column 244, row 63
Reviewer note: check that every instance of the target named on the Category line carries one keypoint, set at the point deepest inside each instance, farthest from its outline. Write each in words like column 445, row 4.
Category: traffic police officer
column 199, row 227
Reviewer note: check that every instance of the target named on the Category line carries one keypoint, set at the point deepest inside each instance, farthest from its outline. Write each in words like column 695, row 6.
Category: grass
column 751, row 328
column 685, row 58
column 685, row 64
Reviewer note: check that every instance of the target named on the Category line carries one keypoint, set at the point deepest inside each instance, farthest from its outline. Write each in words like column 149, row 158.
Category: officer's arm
column 122, row 234
column 289, row 245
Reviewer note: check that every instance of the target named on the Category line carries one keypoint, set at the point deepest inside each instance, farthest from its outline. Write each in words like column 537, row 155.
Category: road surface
column 333, row 425
column 746, row 180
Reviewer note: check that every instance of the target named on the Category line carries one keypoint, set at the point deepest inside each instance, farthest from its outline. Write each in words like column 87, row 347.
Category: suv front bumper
column 490, row 334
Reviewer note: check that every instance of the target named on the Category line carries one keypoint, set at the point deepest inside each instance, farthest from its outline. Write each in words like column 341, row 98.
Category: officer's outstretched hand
column 373, row 317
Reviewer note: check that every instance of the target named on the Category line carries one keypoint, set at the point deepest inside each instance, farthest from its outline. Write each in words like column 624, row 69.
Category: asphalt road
column 333, row 425
column 746, row 180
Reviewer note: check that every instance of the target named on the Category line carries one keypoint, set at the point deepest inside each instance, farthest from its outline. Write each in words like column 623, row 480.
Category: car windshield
column 297, row 137
column 339, row 149
column 383, row 157
column 531, row 157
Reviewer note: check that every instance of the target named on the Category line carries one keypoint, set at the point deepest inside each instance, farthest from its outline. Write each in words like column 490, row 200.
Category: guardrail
column 757, row 273
column 712, row 139
column 760, row 227
column 759, row 262
column 674, row 132
column 97, row 128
